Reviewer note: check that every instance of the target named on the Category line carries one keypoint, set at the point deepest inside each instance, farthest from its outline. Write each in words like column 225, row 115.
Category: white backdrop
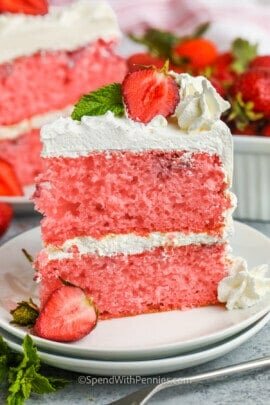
column 230, row 18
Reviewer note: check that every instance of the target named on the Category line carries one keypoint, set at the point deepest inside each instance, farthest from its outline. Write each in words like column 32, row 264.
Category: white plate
column 140, row 337
column 21, row 204
column 149, row 367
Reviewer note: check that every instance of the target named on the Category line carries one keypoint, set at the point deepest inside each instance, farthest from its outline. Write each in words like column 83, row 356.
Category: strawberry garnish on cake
column 32, row 7
column 143, row 95
column 150, row 92
column 9, row 184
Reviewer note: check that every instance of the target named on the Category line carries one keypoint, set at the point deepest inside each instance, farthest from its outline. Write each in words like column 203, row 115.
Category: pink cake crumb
column 159, row 280
column 49, row 81
column 122, row 192
column 24, row 154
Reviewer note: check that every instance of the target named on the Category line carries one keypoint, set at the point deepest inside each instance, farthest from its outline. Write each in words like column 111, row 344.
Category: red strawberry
column 140, row 60
column 222, row 68
column 34, row 7
column 6, row 215
column 148, row 93
column 67, row 316
column 250, row 129
column 261, row 62
column 218, row 86
column 266, row 130
column 198, row 52
column 9, row 185
column 254, row 86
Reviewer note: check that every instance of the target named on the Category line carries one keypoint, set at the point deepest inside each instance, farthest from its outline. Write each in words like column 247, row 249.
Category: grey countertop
column 250, row 389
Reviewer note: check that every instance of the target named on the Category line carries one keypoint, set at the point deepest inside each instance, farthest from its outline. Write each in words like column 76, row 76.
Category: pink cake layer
column 158, row 280
column 24, row 154
column 49, row 81
column 131, row 192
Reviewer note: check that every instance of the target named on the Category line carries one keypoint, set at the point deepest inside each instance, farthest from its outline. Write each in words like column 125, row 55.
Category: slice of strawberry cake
column 135, row 193
column 49, row 58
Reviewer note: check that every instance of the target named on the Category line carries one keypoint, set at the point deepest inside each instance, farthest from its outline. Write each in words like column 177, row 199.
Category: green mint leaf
column 58, row 383
column 243, row 53
column 25, row 377
column 200, row 30
column 25, row 314
column 3, row 367
column 159, row 43
column 107, row 98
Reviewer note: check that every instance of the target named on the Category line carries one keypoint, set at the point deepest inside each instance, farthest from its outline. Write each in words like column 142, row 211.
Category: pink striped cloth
column 249, row 19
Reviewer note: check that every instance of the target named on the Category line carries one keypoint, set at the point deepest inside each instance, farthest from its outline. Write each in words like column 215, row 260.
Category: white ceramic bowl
column 251, row 182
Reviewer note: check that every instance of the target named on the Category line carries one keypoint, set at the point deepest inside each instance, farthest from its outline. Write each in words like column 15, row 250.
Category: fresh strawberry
column 34, row 7
column 6, row 215
column 67, row 316
column 222, row 69
column 254, row 87
column 196, row 52
column 250, row 129
column 150, row 92
column 9, row 185
column 266, row 130
column 218, row 86
column 261, row 62
column 140, row 60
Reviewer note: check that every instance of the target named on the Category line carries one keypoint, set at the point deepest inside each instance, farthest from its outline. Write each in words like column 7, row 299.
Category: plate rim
column 200, row 357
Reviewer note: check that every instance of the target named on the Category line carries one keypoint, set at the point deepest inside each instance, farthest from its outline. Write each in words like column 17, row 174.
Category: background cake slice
column 46, row 63
column 138, row 214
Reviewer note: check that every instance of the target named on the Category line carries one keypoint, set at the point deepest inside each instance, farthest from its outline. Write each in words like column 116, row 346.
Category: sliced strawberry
column 261, row 62
column 9, row 184
column 67, row 316
column 138, row 61
column 6, row 215
column 148, row 93
column 34, row 7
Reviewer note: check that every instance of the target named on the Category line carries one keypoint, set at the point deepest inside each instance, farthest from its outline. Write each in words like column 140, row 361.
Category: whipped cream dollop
column 200, row 104
column 243, row 288
column 66, row 27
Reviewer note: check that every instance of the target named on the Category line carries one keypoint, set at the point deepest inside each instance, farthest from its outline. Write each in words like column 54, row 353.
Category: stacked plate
column 141, row 345
column 21, row 204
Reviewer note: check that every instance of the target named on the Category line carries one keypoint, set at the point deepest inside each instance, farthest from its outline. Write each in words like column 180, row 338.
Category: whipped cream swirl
column 200, row 105
column 243, row 288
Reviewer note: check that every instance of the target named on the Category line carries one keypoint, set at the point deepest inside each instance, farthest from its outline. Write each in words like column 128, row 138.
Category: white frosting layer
column 35, row 122
column 243, row 288
column 200, row 105
column 68, row 138
column 128, row 244
column 67, row 27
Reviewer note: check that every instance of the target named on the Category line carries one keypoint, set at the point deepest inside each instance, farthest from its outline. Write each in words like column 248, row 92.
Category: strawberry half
column 6, row 215
column 9, row 184
column 148, row 93
column 33, row 7
column 67, row 316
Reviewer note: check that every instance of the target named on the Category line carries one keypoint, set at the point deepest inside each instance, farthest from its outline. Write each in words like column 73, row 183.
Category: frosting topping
column 200, row 104
column 128, row 244
column 243, row 288
column 66, row 27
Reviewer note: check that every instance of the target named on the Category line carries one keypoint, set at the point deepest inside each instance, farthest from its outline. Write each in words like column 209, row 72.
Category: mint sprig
column 21, row 373
column 107, row 98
